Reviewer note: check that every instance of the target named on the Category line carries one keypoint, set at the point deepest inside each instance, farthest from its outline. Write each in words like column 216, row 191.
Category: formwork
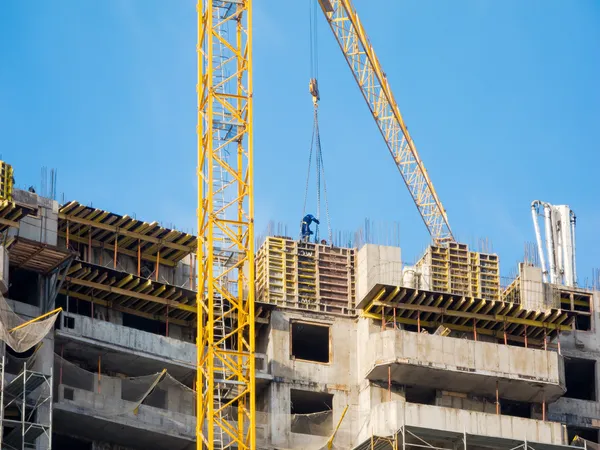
column 455, row 269
column 6, row 181
column 304, row 275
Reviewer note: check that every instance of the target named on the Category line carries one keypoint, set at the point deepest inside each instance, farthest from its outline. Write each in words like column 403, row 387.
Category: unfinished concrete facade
column 380, row 359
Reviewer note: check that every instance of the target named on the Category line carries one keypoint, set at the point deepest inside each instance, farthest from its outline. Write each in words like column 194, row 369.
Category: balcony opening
column 24, row 286
column 311, row 412
column 75, row 306
column 310, row 342
column 422, row 395
column 143, row 324
column 589, row 434
column 157, row 399
column 516, row 409
column 580, row 378
column 61, row 441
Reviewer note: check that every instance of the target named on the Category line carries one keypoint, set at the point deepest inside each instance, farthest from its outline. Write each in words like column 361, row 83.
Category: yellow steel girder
column 226, row 320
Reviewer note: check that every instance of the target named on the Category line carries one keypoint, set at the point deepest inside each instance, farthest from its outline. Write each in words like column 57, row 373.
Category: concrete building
column 368, row 348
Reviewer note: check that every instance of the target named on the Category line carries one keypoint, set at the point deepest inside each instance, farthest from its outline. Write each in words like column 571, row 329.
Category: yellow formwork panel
column 455, row 269
column 6, row 181
column 305, row 275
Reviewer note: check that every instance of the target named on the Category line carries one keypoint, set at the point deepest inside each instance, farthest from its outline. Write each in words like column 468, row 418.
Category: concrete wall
column 131, row 339
column 583, row 345
column 44, row 226
column 337, row 377
column 112, row 408
column 467, row 366
column 387, row 418
column 377, row 264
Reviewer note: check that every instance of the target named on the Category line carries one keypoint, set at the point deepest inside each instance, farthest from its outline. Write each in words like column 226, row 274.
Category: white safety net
column 17, row 333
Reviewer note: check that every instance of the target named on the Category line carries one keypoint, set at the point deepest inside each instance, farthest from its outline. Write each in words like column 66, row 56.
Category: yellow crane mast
column 360, row 56
column 225, row 383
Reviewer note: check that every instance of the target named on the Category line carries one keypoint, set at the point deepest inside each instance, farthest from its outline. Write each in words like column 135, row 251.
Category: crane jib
column 360, row 56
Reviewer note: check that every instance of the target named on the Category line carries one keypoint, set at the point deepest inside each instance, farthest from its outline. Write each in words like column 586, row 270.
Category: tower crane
column 372, row 81
column 225, row 383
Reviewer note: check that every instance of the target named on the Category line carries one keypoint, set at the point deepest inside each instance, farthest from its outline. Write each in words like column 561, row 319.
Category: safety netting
column 116, row 395
column 21, row 334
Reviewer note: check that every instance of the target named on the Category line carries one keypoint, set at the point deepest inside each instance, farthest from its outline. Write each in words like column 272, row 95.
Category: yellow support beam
column 128, row 293
column 123, row 232
column 469, row 315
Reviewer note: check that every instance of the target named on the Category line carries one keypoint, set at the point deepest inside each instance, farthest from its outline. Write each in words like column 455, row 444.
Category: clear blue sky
column 501, row 98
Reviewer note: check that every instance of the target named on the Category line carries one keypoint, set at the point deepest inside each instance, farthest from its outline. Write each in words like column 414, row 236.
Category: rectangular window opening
column 583, row 322
column 580, row 378
column 69, row 394
column 310, row 342
column 312, row 412
column 422, row 395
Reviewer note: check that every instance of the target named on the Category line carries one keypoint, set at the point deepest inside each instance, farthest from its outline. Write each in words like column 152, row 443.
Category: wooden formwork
column 455, row 269
column 304, row 275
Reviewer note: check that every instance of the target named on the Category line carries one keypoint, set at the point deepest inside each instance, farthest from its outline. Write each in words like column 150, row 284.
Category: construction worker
column 305, row 231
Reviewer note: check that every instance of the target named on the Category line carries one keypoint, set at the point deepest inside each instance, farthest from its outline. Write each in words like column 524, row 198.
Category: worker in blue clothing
column 306, row 232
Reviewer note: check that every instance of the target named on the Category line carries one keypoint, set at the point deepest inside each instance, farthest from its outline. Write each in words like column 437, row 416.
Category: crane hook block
column 313, row 87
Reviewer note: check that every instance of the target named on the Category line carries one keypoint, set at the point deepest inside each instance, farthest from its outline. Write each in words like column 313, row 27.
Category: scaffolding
column 25, row 410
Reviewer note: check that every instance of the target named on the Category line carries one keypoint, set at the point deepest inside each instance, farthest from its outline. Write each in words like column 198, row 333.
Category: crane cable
column 316, row 136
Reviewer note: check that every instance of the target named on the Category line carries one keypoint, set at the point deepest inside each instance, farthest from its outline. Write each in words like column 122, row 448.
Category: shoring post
column 167, row 328
column 157, row 263
column 497, row 399
column 545, row 339
column 505, row 337
column 395, row 327
column 99, row 375
column 525, row 336
column 474, row 329
column 558, row 342
column 67, row 233
column 191, row 271
column 90, row 244
column 418, row 321
column 389, row 383
column 544, row 406
column 116, row 250
column 60, row 372
column 139, row 259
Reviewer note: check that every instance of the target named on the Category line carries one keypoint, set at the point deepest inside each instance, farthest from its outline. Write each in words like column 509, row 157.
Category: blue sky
column 501, row 98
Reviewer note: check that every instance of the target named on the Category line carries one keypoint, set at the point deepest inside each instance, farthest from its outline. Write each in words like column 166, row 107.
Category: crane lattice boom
column 225, row 382
column 360, row 56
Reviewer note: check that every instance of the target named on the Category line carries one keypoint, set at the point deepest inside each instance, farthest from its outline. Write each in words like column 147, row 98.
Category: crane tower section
column 360, row 56
column 225, row 343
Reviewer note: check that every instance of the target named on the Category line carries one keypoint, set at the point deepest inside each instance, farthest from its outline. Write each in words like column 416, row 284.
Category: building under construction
column 354, row 349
